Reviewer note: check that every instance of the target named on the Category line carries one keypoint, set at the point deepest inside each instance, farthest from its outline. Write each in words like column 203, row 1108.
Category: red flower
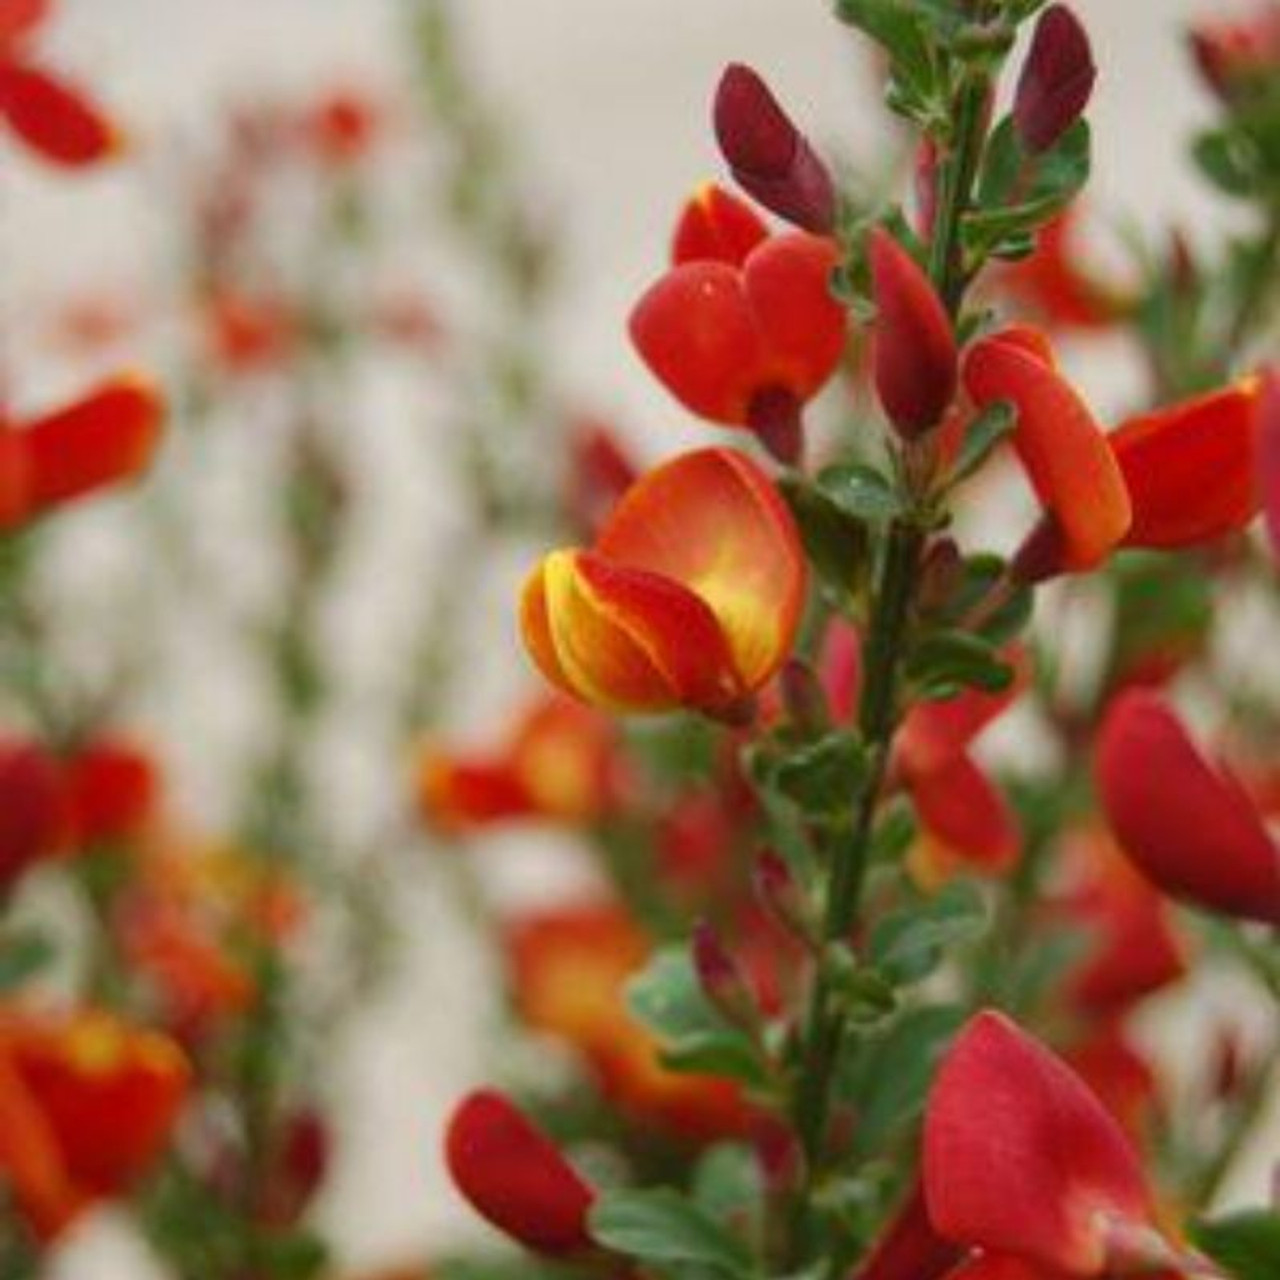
column 1185, row 823
column 89, row 1103
column 50, row 116
column 747, row 345
column 1234, row 56
column 690, row 597
column 560, row 764
column 340, row 127
column 1062, row 448
column 915, row 347
column 910, row 1248
column 514, row 1176
column 1020, row 1158
column 112, row 788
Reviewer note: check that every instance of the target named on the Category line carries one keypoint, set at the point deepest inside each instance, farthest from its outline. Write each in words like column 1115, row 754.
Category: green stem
column 827, row 1023
column 1261, row 290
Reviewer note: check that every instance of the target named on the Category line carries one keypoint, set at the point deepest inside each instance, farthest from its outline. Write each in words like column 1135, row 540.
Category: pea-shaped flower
column 689, row 598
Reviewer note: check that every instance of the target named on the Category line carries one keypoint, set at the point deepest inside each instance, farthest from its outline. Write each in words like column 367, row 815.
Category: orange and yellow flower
column 690, row 597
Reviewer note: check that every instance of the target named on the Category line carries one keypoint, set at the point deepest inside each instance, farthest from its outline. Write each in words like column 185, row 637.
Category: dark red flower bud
column 769, row 157
column 915, row 348
column 32, row 807
column 782, row 897
column 515, row 1177
column 1057, row 79
column 721, row 979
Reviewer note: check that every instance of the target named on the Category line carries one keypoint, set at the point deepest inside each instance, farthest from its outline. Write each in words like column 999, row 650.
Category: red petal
column 1269, row 456
column 32, row 807
column 694, row 330
column 1189, row 827
column 1003, row 1266
column 713, row 522
column 108, row 436
column 515, row 1177
column 112, row 790
column 801, row 325
column 1020, row 1158
column 716, row 227
column 18, row 19
column 1066, row 456
column 53, row 118
column 1165, row 457
column 910, row 1249
column 966, row 819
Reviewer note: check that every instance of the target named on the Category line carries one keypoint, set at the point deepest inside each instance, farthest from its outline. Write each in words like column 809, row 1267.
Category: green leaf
column 726, row 1181
column 861, row 491
column 836, row 541
column 865, row 994
column 981, row 575
column 22, row 955
column 986, row 431
column 901, row 30
column 949, row 660
column 825, row 774
column 1230, row 159
column 888, row 1075
column 667, row 997
column 1018, row 193
column 1247, row 1244
column 668, row 1232
column 908, row 944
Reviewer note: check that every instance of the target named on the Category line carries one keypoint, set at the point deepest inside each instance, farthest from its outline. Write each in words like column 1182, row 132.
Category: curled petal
column 515, row 1177
column 1188, row 826
column 1020, row 1158
column 1066, row 457
column 1167, row 456
column 713, row 522
column 108, row 436
column 624, row 638
column 54, row 119
column 716, row 226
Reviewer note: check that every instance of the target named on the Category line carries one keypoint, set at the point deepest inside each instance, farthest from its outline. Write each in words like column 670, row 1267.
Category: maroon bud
column 33, row 807
column 721, row 980
column 769, row 157
column 779, row 1156
column 1057, row 79
column 926, row 187
column 782, row 897
column 940, row 574
column 775, row 420
column 1041, row 555
column 914, row 352
column 803, row 697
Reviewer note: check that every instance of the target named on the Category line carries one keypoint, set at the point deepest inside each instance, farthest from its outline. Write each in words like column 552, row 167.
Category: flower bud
column 769, row 157
column 803, row 697
column 1057, row 79
column 915, row 347
column 782, row 897
column 721, row 979
column 514, row 1176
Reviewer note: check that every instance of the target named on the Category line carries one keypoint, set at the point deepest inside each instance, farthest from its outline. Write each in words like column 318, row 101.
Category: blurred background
column 576, row 128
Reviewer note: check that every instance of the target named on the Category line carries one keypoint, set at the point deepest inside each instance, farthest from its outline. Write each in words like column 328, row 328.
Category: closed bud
column 914, row 355
column 721, row 979
column 940, row 574
column 779, row 1156
column 782, row 897
column 769, row 157
column 1057, row 79
column 803, row 697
